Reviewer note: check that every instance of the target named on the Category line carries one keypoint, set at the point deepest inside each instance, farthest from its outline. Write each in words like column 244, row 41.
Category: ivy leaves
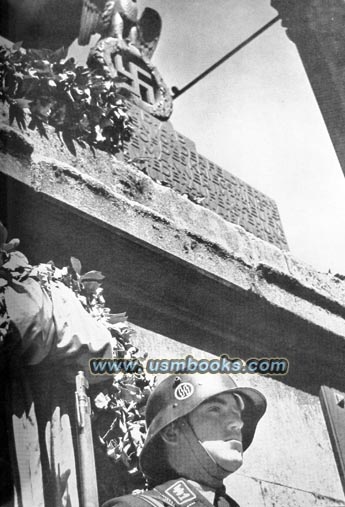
column 41, row 89
column 119, row 407
column 14, row 268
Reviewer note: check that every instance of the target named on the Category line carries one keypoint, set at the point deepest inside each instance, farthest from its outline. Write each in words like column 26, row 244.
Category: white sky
column 256, row 116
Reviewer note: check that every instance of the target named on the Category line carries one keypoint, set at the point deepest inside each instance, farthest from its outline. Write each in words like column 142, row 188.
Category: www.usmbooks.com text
column 222, row 364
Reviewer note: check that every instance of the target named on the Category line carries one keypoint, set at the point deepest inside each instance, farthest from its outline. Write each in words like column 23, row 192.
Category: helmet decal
column 184, row 391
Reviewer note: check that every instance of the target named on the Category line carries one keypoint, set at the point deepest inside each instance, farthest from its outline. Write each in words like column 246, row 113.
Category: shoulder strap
column 151, row 499
column 176, row 493
column 222, row 498
column 142, row 499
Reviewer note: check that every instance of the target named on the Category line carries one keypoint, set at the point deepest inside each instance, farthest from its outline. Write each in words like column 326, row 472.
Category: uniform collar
column 207, row 492
column 187, row 493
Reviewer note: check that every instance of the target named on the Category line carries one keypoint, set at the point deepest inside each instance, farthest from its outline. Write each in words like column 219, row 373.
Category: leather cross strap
column 221, row 499
column 180, row 493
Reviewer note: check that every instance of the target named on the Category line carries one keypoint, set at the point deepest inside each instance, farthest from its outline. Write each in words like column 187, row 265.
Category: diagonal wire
column 177, row 92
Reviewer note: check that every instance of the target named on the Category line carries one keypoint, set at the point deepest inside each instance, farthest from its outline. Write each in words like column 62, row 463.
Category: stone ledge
column 196, row 274
column 159, row 216
column 106, row 176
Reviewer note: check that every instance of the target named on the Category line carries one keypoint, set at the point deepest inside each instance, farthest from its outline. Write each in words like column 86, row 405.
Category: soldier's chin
column 227, row 454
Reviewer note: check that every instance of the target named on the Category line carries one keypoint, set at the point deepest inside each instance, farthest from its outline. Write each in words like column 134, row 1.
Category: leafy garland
column 119, row 409
column 81, row 105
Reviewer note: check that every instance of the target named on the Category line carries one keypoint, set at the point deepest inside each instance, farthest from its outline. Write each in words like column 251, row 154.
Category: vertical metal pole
column 86, row 461
column 333, row 407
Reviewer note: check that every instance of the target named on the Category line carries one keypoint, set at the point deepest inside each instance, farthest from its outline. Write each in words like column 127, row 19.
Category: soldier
column 198, row 427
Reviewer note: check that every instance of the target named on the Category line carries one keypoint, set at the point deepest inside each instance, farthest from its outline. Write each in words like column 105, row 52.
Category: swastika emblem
column 139, row 80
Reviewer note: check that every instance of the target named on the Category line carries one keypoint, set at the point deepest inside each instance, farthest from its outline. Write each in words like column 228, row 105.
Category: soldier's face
column 217, row 424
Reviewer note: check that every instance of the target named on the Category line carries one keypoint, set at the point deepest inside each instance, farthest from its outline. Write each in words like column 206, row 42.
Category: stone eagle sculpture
column 52, row 24
column 122, row 53
column 119, row 19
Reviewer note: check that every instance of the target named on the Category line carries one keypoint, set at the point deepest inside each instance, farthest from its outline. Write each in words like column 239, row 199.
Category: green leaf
column 11, row 245
column 59, row 54
column 70, row 98
column 5, row 275
column 37, row 123
column 66, row 136
column 11, row 114
column 3, row 234
column 91, row 287
column 39, row 54
column 17, row 286
column 23, row 103
column 92, row 276
column 17, row 45
column 114, row 318
column 76, row 265
column 16, row 262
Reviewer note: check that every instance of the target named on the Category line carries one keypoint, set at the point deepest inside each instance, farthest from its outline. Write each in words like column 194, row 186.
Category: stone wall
column 316, row 27
column 193, row 283
column 172, row 159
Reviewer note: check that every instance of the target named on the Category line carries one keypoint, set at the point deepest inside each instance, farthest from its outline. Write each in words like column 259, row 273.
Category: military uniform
column 173, row 400
column 175, row 493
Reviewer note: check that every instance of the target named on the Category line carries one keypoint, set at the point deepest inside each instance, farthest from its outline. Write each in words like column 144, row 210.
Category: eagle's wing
column 149, row 30
column 90, row 19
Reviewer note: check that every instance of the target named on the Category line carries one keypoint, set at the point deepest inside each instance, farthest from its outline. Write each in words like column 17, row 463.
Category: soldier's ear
column 170, row 433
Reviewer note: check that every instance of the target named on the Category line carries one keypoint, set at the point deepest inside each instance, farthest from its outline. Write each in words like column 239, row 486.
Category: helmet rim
column 173, row 409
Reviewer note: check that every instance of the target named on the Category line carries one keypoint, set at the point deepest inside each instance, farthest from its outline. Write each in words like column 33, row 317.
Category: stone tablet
column 172, row 159
column 156, row 147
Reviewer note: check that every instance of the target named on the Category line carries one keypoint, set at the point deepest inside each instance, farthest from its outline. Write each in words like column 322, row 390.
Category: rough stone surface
column 173, row 160
column 186, row 261
column 251, row 491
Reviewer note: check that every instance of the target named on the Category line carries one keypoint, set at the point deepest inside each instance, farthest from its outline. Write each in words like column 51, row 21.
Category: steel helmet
column 177, row 396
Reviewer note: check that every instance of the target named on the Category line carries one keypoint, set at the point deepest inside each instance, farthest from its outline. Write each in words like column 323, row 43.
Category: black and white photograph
column 172, row 253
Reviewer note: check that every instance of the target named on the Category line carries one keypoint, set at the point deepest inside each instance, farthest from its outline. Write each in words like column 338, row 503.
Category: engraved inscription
column 169, row 157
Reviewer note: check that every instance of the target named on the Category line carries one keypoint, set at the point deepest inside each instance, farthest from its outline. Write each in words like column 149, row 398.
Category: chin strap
column 208, row 472
column 221, row 499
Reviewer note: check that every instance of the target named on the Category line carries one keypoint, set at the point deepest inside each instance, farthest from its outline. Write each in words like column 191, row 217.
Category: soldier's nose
column 234, row 426
column 234, row 434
